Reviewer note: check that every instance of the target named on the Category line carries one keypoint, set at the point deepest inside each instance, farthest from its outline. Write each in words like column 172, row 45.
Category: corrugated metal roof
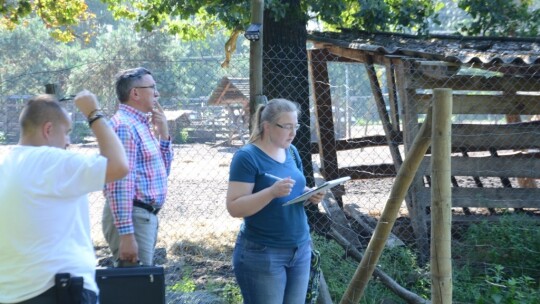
column 485, row 50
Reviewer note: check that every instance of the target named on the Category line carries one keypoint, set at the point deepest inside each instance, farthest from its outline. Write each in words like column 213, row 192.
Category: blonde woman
column 272, row 253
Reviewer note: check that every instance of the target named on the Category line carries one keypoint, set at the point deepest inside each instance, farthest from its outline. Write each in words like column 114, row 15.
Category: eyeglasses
column 153, row 87
column 289, row 127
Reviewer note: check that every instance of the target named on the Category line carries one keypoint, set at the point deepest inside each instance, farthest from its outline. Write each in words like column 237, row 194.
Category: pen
column 273, row 176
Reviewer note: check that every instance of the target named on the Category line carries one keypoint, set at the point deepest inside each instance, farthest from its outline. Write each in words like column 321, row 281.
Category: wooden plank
column 383, row 113
column 502, row 166
column 331, row 57
column 481, row 137
column 475, row 218
column 359, row 143
column 392, row 94
column 410, row 129
column 487, row 104
column 368, row 171
column 362, row 142
column 355, row 55
column 323, row 114
column 225, row 89
column 334, row 210
column 501, row 137
column 368, row 224
column 476, row 83
column 489, row 197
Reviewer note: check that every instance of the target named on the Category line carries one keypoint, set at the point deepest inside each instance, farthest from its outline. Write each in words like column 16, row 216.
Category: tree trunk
column 285, row 69
column 285, row 75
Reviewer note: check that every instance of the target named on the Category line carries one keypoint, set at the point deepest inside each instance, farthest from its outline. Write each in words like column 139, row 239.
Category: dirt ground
column 197, row 234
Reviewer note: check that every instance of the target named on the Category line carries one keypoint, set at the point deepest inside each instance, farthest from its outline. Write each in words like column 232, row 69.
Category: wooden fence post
column 441, row 198
column 403, row 180
column 51, row 88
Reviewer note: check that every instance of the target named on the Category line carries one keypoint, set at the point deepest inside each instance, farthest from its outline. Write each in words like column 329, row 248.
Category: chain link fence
column 206, row 108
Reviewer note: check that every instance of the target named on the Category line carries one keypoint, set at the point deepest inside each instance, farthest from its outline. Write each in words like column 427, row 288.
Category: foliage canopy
column 60, row 16
column 195, row 19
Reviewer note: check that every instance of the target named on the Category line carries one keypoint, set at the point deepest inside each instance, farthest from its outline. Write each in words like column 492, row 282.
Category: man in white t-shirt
column 44, row 213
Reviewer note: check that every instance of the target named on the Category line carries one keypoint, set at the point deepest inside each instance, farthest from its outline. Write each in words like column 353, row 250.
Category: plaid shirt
column 149, row 167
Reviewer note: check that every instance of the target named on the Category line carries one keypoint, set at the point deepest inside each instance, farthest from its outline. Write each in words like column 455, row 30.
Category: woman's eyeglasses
column 289, row 127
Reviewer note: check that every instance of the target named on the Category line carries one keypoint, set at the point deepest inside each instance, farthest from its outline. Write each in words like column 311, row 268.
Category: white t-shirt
column 44, row 218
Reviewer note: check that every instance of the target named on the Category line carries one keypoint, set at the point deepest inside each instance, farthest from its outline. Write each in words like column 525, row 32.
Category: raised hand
column 86, row 102
column 159, row 121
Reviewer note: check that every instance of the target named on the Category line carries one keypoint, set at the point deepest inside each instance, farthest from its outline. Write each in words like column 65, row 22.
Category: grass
column 493, row 262
column 498, row 263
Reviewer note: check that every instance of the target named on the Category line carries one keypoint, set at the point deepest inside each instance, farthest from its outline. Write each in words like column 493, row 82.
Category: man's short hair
column 125, row 80
column 39, row 110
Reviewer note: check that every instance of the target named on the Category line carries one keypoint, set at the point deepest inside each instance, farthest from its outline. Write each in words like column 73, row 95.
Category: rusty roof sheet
column 458, row 49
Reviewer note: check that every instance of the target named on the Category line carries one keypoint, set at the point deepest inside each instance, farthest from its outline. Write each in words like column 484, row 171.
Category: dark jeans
column 49, row 297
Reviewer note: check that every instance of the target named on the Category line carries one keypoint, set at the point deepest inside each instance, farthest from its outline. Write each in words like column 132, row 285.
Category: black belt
column 140, row 204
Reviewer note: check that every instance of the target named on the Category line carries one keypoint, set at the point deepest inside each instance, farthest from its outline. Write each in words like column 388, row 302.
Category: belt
column 140, row 204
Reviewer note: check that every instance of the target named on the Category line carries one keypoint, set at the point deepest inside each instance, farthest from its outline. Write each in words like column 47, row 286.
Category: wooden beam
column 376, row 91
column 487, row 104
column 488, row 197
column 499, row 137
column 323, row 113
column 520, row 165
column 218, row 100
column 355, row 55
column 331, row 57
column 392, row 94
column 355, row 143
column 359, row 143
column 482, row 137
column 368, row 224
column 474, row 83
column 403, row 68
column 369, row 171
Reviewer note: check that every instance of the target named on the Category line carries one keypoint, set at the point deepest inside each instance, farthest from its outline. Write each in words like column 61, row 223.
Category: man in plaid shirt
column 130, row 222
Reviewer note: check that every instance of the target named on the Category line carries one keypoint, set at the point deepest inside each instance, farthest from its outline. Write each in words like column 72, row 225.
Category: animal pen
column 495, row 91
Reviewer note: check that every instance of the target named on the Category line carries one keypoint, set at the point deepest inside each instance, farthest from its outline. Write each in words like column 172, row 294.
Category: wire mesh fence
column 495, row 149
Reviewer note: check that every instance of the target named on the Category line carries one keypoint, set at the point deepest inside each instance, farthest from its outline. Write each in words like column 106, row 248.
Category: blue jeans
column 268, row 275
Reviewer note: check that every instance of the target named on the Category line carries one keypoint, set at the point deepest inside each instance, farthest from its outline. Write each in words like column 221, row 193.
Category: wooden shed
column 233, row 94
column 178, row 120
column 231, row 90
column 496, row 79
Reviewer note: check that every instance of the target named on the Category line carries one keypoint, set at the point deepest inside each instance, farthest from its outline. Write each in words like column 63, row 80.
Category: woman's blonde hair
column 270, row 112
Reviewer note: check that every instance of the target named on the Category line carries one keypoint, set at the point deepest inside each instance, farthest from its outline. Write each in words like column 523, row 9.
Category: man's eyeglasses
column 289, row 127
column 153, row 87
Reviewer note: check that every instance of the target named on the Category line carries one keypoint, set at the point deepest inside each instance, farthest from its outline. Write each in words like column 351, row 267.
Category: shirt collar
column 131, row 111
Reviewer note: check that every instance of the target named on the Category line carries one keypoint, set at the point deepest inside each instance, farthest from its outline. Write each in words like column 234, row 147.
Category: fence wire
column 208, row 122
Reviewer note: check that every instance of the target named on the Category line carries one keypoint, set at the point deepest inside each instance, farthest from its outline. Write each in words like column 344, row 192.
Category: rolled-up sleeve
column 120, row 193
column 167, row 154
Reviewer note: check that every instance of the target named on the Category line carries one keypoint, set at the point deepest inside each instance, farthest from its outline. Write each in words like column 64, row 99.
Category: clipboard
column 325, row 186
